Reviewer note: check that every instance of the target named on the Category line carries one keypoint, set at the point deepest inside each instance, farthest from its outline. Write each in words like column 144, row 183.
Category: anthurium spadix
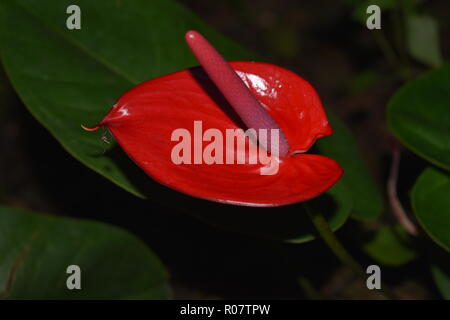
column 231, row 132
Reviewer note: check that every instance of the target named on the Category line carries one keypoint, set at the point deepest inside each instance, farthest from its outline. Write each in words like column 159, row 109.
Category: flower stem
column 328, row 236
column 330, row 239
column 398, row 64
column 308, row 289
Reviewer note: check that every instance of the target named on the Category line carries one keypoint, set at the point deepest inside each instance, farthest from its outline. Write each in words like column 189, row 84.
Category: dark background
column 320, row 41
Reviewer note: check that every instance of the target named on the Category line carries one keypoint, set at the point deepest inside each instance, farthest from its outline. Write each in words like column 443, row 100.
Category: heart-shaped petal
column 145, row 118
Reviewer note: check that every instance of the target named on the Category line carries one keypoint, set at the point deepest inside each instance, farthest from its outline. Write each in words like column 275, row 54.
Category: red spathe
column 144, row 118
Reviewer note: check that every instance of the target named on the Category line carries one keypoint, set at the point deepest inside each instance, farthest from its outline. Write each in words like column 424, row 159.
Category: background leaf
column 35, row 251
column 422, row 33
column 442, row 281
column 431, row 204
column 391, row 246
column 419, row 116
column 342, row 147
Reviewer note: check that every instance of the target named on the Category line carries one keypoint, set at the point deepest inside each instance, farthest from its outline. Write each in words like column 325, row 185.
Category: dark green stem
column 330, row 239
column 308, row 288
column 328, row 236
column 389, row 53
column 386, row 48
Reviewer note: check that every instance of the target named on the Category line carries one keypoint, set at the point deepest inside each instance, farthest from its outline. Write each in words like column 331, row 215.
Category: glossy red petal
column 290, row 100
column 144, row 118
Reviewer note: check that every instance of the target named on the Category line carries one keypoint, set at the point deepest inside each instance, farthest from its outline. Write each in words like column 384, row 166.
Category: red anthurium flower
column 186, row 131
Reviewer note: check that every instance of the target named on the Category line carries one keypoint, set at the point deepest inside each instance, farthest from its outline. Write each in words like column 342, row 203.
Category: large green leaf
column 341, row 146
column 71, row 77
column 431, row 204
column 36, row 250
column 419, row 115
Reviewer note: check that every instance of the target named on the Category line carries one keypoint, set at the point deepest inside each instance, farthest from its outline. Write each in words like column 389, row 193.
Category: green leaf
column 391, row 246
column 423, row 39
column 442, row 281
column 431, row 204
column 288, row 223
column 342, row 147
column 71, row 77
column 419, row 116
column 35, row 251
